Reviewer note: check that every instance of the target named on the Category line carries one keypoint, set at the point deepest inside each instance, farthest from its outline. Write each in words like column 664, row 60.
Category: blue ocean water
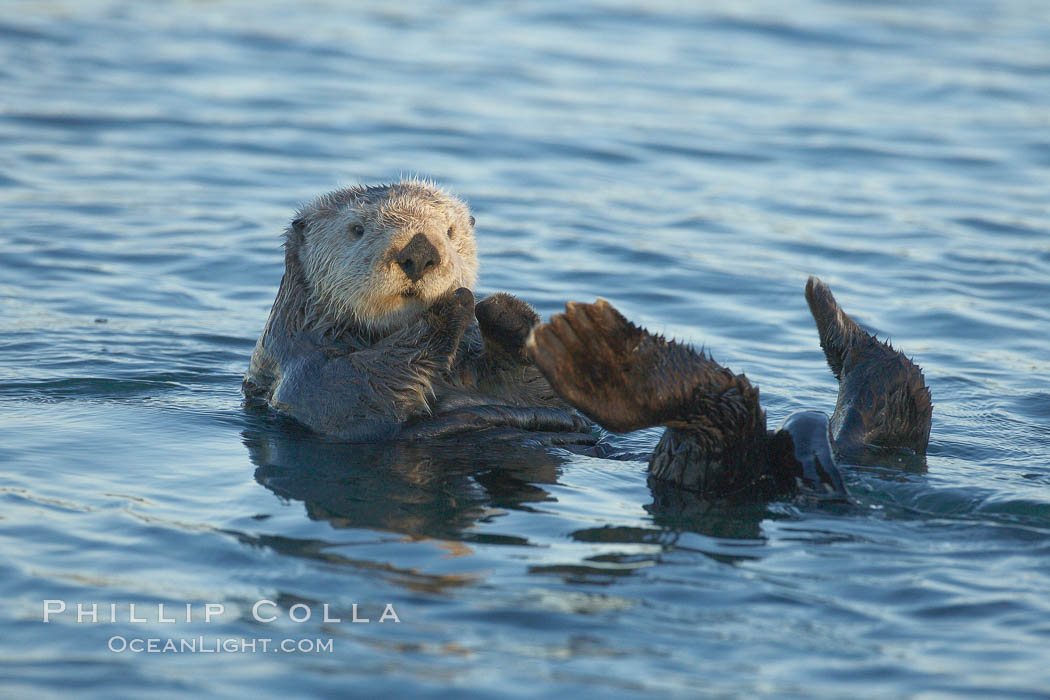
column 692, row 163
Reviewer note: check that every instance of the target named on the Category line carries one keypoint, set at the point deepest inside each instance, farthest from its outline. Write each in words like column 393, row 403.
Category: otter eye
column 450, row 232
column 358, row 230
column 472, row 221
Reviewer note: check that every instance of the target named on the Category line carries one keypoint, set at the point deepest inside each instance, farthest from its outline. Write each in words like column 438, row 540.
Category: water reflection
column 442, row 489
column 435, row 489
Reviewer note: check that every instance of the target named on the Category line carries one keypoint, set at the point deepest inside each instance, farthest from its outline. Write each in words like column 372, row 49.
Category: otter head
column 378, row 256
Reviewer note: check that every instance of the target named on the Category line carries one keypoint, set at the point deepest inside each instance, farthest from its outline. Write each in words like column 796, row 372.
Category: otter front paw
column 448, row 318
column 506, row 322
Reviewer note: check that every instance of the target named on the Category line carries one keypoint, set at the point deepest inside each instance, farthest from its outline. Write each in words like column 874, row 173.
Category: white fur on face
column 356, row 277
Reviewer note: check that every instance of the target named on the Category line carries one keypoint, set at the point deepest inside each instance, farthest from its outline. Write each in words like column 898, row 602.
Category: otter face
column 380, row 255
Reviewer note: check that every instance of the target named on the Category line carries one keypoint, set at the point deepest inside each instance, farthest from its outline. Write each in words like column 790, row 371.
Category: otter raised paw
column 505, row 369
column 505, row 323
column 447, row 320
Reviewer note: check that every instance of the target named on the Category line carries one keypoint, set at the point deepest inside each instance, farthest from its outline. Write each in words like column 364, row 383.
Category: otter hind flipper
column 626, row 378
column 617, row 373
column 836, row 329
column 883, row 400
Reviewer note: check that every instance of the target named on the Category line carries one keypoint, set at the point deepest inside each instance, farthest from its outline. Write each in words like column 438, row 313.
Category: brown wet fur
column 627, row 378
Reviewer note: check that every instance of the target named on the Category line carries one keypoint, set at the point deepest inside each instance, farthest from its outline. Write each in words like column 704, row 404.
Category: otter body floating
column 373, row 334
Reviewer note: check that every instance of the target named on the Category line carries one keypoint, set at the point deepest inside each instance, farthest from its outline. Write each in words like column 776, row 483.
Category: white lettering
column 81, row 614
column 291, row 613
column 50, row 609
column 213, row 609
column 259, row 604
column 329, row 619
column 389, row 614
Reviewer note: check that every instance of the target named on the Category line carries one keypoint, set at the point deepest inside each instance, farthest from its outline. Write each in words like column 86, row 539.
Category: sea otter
column 716, row 443
column 373, row 335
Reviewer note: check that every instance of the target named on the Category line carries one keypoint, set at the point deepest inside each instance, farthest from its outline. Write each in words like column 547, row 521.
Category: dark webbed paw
column 448, row 318
column 627, row 378
column 587, row 354
column 883, row 400
column 505, row 323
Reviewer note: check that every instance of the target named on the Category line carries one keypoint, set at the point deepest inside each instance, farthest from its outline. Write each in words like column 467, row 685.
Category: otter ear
column 294, row 235
column 472, row 222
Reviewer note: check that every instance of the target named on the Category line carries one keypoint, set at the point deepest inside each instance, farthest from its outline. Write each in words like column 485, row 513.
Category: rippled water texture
column 691, row 165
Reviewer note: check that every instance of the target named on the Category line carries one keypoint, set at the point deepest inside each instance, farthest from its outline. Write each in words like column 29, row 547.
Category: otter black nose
column 418, row 257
